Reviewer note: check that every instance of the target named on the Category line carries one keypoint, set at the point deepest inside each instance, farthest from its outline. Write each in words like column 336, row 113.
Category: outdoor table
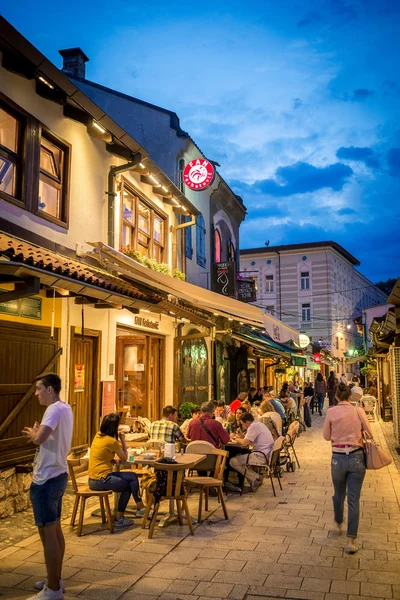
column 189, row 460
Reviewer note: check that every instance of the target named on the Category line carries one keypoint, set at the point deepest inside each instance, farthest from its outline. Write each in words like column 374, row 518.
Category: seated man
column 206, row 428
column 261, row 438
column 222, row 412
column 195, row 412
column 166, row 429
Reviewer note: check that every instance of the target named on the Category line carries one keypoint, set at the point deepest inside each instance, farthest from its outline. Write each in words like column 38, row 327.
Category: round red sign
column 198, row 174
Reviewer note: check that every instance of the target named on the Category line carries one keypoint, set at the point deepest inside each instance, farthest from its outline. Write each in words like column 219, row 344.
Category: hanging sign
column 198, row 174
column 304, row 340
column 298, row 361
column 246, row 290
column 317, row 357
column 79, row 380
column 223, row 278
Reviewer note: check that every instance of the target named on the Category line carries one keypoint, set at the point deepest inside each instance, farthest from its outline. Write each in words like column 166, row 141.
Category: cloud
column 346, row 211
column 300, row 178
column 393, row 158
column 358, row 95
column 365, row 155
column 297, row 103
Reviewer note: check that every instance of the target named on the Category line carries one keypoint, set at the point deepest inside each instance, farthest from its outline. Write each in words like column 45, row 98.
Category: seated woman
column 289, row 404
column 253, row 410
column 271, row 419
column 195, row 412
column 234, row 425
column 104, row 447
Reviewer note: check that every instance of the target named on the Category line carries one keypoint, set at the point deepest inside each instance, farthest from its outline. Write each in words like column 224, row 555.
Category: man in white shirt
column 50, row 476
column 259, row 436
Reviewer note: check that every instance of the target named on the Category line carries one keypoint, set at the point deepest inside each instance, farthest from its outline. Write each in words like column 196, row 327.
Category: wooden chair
column 205, row 483
column 82, row 493
column 173, row 492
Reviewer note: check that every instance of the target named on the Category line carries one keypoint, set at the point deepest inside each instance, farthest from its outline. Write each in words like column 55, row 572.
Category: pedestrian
column 343, row 427
column 320, row 391
column 50, row 476
column 343, row 378
column 331, row 385
column 107, row 443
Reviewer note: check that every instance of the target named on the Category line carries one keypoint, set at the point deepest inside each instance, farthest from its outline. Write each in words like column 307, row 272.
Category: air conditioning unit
column 394, row 357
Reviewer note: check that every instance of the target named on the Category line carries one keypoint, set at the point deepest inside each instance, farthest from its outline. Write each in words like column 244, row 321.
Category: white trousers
column 240, row 464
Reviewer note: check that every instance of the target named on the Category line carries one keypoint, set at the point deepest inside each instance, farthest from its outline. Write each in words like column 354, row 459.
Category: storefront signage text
column 198, row 174
column 147, row 323
column 29, row 307
column 246, row 290
column 298, row 361
column 304, row 340
column 223, row 278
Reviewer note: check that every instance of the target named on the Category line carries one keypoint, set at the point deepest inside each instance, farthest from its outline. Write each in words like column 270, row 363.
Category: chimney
column 74, row 62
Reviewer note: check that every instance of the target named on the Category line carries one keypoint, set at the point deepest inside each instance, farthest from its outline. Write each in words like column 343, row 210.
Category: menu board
column 29, row 307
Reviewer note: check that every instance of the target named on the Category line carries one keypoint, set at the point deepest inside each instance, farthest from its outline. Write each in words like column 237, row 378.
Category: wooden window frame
column 18, row 157
column 63, row 220
column 154, row 211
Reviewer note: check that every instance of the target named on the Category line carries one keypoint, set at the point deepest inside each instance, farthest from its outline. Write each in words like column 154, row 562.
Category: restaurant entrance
column 140, row 372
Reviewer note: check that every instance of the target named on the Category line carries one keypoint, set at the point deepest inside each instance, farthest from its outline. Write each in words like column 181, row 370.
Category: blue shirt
column 279, row 408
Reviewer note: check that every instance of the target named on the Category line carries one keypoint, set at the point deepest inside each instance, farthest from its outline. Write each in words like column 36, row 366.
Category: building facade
column 314, row 288
column 214, row 236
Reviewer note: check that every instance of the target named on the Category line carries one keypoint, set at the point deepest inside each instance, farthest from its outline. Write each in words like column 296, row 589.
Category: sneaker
column 48, row 594
column 351, row 548
column 122, row 523
column 140, row 512
column 39, row 585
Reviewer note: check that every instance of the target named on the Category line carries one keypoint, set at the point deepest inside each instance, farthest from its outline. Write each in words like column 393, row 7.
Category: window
column 217, row 243
column 52, row 164
column 305, row 280
column 200, row 241
column 10, row 152
column 231, row 252
column 181, row 183
column 143, row 228
column 270, row 309
column 188, row 238
column 255, row 279
column 305, row 312
column 269, row 283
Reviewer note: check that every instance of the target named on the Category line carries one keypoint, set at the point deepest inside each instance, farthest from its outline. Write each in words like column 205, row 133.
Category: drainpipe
column 280, row 285
column 111, row 193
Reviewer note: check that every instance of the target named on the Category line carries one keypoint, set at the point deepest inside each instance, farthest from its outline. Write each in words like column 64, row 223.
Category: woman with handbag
column 343, row 427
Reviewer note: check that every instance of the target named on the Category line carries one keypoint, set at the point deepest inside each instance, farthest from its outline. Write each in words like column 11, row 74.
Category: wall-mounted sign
column 317, row 357
column 198, row 174
column 147, row 323
column 298, row 361
column 79, row 380
column 29, row 307
column 224, row 278
column 304, row 340
column 246, row 290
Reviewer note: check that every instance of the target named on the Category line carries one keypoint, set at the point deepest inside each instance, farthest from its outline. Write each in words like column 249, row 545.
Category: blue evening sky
column 299, row 101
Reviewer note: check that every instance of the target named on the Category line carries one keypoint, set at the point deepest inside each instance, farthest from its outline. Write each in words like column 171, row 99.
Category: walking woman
column 104, row 447
column 331, row 385
column 343, row 426
column 320, row 391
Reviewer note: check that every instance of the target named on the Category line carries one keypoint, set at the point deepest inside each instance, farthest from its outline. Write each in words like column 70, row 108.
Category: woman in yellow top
column 104, row 447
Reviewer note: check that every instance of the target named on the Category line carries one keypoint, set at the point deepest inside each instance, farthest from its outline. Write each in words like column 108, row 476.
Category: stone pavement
column 281, row 547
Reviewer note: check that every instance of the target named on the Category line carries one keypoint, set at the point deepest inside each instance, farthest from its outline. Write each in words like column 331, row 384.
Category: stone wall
column 14, row 492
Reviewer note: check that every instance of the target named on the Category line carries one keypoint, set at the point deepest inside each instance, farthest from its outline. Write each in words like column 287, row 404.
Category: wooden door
column 133, row 373
column 194, row 370
column 83, row 390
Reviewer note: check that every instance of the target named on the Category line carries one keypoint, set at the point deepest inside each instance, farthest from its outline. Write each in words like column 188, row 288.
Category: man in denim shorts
column 50, row 475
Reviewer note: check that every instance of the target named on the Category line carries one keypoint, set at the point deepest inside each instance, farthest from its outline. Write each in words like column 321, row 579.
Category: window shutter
column 200, row 241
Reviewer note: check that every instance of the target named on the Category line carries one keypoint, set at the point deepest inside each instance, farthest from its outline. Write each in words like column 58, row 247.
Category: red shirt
column 197, row 432
column 234, row 405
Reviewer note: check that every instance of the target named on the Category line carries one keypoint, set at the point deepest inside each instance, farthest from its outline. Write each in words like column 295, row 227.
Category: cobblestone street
column 270, row 548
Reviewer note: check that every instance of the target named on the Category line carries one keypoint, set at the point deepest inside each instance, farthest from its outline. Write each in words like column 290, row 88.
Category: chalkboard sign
column 224, row 278
column 246, row 290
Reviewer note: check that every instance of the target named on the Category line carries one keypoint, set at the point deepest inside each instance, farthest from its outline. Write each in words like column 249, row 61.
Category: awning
column 313, row 366
column 198, row 297
column 261, row 342
column 356, row 359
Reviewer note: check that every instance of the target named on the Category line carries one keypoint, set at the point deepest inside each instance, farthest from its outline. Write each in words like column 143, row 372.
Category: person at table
column 166, row 429
column 259, row 436
column 277, row 404
column 222, row 412
column 271, row 419
column 237, row 402
column 195, row 412
column 207, row 429
column 253, row 396
column 234, row 424
column 106, row 444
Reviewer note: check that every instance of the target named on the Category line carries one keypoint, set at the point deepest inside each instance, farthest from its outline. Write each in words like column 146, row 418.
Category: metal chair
column 82, row 493
column 174, row 491
column 205, row 483
column 370, row 404
column 271, row 467
column 290, row 438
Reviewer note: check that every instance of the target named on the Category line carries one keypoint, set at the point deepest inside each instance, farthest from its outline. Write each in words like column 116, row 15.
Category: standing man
column 259, row 436
column 50, row 476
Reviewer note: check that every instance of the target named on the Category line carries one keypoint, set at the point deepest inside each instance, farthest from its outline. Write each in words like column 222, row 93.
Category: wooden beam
column 20, row 405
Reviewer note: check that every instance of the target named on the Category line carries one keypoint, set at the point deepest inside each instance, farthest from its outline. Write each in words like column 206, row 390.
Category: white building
column 314, row 288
